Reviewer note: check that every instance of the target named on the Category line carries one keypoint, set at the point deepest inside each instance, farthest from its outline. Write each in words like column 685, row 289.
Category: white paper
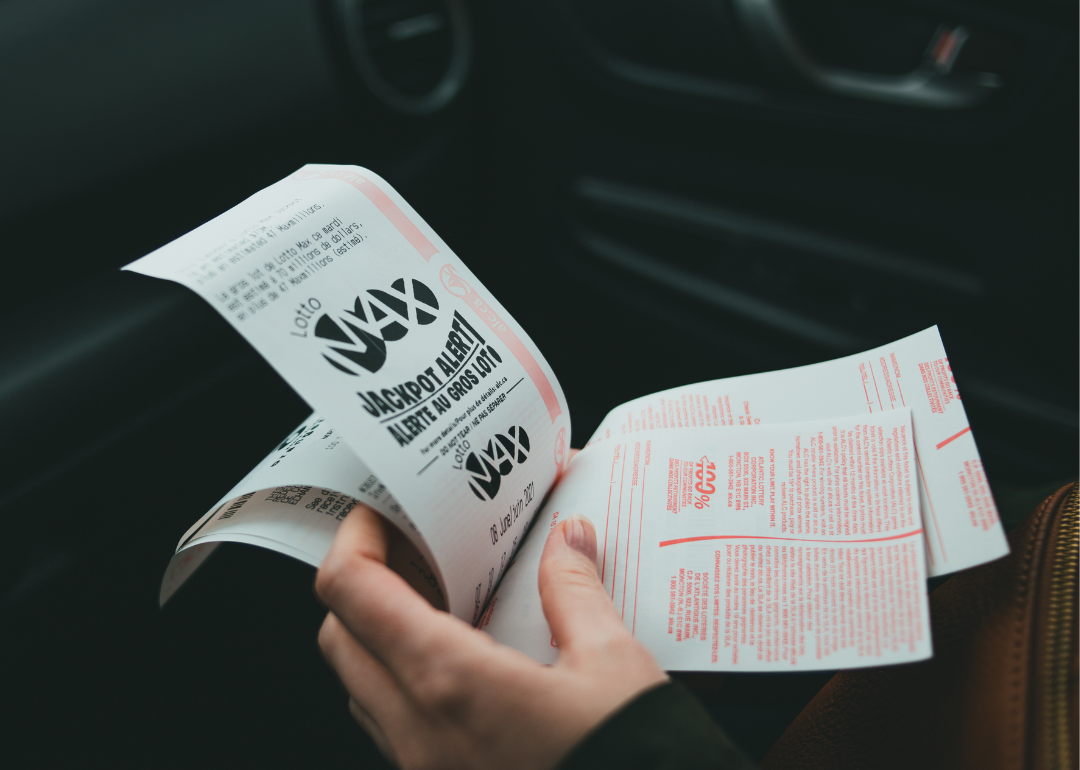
column 735, row 535
column 962, row 524
column 292, row 502
column 776, row 548
column 369, row 315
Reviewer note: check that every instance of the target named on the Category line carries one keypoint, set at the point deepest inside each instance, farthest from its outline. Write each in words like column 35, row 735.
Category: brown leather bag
column 1000, row 692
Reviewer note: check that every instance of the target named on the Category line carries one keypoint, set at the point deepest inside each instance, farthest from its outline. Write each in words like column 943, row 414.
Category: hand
column 434, row 692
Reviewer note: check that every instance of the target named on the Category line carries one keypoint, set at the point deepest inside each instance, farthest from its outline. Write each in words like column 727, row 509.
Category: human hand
column 434, row 692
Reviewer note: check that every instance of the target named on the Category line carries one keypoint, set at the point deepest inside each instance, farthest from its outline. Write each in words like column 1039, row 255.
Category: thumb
column 578, row 609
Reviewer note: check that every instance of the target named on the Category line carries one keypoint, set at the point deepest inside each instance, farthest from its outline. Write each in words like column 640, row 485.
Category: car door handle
column 931, row 85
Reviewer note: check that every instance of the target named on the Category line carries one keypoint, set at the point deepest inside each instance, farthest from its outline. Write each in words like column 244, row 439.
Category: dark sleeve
column 664, row 728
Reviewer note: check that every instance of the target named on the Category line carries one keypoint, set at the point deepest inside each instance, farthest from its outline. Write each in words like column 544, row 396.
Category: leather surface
column 971, row 705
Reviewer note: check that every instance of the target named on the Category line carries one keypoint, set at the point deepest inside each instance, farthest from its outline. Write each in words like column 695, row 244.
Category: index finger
column 382, row 612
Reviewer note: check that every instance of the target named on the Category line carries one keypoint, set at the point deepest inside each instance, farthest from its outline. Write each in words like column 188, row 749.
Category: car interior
column 660, row 192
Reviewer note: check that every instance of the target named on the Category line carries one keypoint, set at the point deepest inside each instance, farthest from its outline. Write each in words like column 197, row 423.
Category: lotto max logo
column 357, row 338
column 488, row 466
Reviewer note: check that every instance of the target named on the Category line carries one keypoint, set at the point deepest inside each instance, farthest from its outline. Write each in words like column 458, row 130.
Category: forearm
column 664, row 728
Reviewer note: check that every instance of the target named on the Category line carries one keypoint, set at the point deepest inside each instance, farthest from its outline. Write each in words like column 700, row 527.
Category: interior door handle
column 931, row 85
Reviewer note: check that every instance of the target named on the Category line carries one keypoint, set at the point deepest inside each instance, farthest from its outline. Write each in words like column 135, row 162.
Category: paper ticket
column 781, row 547
column 440, row 395
column 962, row 524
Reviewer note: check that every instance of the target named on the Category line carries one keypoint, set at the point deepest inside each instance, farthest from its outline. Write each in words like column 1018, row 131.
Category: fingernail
column 579, row 534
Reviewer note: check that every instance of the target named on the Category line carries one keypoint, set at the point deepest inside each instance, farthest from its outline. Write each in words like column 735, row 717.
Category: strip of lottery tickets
column 772, row 522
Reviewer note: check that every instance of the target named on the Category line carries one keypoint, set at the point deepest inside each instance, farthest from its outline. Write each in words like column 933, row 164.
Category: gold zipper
column 1059, row 624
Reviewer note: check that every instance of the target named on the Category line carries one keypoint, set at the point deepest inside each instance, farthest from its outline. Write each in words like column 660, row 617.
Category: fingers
column 367, row 681
column 371, row 727
column 375, row 700
column 377, row 607
column 578, row 609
